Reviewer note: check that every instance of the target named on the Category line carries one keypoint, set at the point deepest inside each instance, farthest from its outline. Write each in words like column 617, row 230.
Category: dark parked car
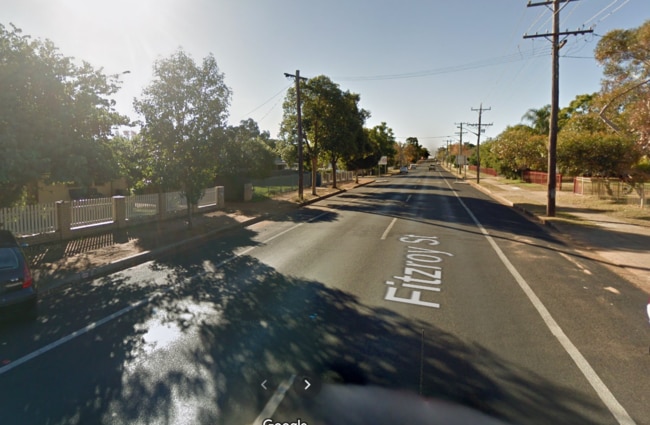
column 18, row 295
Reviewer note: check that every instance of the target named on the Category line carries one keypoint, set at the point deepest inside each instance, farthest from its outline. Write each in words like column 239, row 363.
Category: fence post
column 119, row 211
column 642, row 201
column 248, row 192
column 64, row 219
column 221, row 197
column 162, row 206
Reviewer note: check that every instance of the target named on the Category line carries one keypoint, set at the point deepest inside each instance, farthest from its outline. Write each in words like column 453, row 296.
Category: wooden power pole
column 555, row 95
column 297, row 77
column 479, row 130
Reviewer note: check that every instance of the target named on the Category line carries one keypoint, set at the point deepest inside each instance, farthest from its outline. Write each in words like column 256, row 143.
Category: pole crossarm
column 576, row 32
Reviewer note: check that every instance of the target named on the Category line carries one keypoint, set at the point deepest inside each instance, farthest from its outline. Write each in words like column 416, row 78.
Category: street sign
column 383, row 160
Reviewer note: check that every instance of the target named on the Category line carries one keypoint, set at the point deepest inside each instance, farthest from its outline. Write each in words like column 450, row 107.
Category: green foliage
column 625, row 92
column 331, row 120
column 246, row 151
column 375, row 143
column 538, row 119
column 518, row 148
column 601, row 153
column 184, row 110
column 413, row 151
column 55, row 117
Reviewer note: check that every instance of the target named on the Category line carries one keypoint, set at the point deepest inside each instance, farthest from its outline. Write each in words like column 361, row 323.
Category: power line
column 268, row 100
column 513, row 57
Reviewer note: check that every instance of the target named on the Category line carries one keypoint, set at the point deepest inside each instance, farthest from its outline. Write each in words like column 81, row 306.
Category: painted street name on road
column 420, row 273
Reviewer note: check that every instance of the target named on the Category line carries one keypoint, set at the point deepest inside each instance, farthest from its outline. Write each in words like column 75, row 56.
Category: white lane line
column 14, row 364
column 615, row 408
column 77, row 333
column 390, row 226
column 275, row 400
column 576, row 263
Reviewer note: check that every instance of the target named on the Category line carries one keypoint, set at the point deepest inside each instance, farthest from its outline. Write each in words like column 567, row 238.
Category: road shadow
column 220, row 325
column 62, row 259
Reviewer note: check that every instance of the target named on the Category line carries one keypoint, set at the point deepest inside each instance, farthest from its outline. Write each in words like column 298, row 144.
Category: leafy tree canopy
column 332, row 122
column 246, row 151
column 625, row 57
column 184, row 112
column 519, row 147
column 55, row 116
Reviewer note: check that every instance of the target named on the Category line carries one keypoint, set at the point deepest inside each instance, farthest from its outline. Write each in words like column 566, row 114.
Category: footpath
column 59, row 265
column 617, row 237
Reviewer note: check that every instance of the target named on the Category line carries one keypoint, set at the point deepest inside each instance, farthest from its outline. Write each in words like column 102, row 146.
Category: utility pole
column 446, row 158
column 478, row 139
column 555, row 94
column 460, row 126
column 297, row 77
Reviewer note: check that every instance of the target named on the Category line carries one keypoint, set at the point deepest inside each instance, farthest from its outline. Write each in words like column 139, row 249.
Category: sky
column 421, row 66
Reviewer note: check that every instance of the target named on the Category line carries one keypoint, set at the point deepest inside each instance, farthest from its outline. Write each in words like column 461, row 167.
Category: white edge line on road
column 77, row 333
column 615, row 408
column 390, row 226
column 275, row 400
column 24, row 359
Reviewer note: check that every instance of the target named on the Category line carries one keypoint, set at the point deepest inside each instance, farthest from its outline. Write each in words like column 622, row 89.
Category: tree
column 517, row 148
column 184, row 110
column 587, row 146
column 130, row 156
column 246, row 151
column 375, row 142
column 56, row 117
column 625, row 91
column 346, row 134
column 383, row 140
column 330, row 121
column 603, row 154
column 538, row 119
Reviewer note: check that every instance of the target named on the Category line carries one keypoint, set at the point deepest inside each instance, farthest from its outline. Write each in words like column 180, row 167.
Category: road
column 417, row 283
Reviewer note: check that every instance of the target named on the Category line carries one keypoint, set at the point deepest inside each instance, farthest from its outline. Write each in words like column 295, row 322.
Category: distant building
column 280, row 164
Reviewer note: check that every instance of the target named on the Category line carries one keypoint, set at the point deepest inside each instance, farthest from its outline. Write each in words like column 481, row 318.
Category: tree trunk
column 334, row 175
column 314, row 164
column 189, row 215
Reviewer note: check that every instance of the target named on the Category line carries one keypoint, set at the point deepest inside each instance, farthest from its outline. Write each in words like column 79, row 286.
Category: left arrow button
column 263, row 385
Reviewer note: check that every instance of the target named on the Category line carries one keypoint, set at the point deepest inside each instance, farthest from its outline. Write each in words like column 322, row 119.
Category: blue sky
column 419, row 65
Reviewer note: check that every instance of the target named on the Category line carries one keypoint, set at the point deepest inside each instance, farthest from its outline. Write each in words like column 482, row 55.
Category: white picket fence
column 91, row 211
column 209, row 197
column 174, row 202
column 29, row 219
column 42, row 218
column 141, row 206
column 341, row 176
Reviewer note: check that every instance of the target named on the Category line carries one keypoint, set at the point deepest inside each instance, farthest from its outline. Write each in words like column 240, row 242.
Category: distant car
column 18, row 295
column 412, row 167
column 432, row 167
column 404, row 170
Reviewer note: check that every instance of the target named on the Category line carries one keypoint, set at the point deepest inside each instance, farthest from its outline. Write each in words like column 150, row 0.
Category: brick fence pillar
column 64, row 219
column 119, row 211
column 221, row 197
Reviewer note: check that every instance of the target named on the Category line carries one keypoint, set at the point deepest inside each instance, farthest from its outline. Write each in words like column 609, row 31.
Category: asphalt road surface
column 414, row 287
